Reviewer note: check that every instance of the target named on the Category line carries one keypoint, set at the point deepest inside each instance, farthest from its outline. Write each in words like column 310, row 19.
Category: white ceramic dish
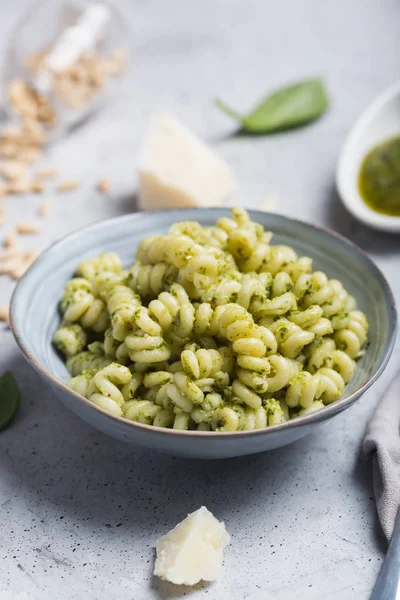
column 380, row 121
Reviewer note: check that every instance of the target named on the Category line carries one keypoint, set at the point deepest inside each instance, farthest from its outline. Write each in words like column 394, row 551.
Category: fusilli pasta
column 212, row 329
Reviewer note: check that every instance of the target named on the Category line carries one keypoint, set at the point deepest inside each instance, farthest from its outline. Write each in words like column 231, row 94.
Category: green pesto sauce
column 379, row 178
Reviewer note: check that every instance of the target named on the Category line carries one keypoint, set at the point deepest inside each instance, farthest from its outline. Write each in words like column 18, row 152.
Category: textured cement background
column 80, row 513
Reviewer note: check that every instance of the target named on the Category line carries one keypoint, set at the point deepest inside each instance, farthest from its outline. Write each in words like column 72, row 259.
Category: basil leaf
column 289, row 107
column 9, row 399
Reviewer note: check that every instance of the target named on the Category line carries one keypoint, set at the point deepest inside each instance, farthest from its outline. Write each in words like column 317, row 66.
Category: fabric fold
column 382, row 444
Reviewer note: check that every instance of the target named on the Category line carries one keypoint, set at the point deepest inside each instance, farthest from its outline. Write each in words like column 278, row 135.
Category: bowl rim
column 306, row 420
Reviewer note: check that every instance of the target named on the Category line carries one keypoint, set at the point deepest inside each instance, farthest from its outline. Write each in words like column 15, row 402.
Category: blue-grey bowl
column 35, row 317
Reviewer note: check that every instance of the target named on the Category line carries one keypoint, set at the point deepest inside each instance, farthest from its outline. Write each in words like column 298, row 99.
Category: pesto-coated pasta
column 211, row 329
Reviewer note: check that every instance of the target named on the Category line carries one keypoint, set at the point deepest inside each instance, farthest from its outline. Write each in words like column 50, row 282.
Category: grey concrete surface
column 80, row 513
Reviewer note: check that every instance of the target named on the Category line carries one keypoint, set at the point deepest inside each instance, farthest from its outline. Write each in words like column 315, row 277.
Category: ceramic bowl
column 35, row 317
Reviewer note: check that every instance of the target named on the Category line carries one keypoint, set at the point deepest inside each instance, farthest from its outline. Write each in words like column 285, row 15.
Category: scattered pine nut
column 19, row 271
column 4, row 313
column 11, row 253
column 8, row 266
column 10, row 241
column 37, row 187
column 2, row 216
column 68, row 186
column 23, row 266
column 45, row 208
column 13, row 169
column 8, row 150
column 11, row 133
column 104, row 185
column 29, row 155
column 19, row 186
column 28, row 227
column 47, row 173
column 31, row 256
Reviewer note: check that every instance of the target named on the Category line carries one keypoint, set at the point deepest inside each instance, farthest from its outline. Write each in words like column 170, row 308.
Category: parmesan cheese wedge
column 193, row 550
column 177, row 170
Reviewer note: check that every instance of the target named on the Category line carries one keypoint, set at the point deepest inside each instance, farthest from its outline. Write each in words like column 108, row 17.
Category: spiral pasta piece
column 122, row 304
column 104, row 282
column 319, row 354
column 340, row 302
column 144, row 411
column 352, row 338
column 248, row 243
column 184, row 393
column 275, row 412
column 315, row 407
column 314, row 289
column 343, row 364
column 282, row 371
column 86, row 361
column 206, row 363
column 174, row 309
column 239, row 289
column 206, row 320
column 275, row 307
column 144, row 348
column 108, row 382
column 70, row 339
column 329, row 294
column 331, row 385
column 312, row 319
column 150, row 280
column 110, row 344
column 290, row 337
column 252, row 343
column 302, row 390
column 79, row 305
column 239, row 418
column 108, row 261
column 80, row 383
column 198, row 265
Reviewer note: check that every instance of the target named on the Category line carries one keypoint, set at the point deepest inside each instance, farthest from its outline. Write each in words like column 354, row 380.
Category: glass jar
column 65, row 60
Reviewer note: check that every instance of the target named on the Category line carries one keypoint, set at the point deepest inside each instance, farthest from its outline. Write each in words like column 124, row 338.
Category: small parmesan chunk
column 193, row 550
column 176, row 169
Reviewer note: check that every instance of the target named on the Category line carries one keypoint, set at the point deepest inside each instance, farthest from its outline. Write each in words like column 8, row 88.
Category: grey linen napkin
column 382, row 443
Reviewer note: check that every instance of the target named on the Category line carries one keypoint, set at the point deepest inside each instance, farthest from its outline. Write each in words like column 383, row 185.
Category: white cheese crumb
column 176, row 169
column 193, row 550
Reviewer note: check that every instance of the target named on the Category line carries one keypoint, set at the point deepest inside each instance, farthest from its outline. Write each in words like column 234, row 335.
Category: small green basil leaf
column 289, row 107
column 9, row 399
